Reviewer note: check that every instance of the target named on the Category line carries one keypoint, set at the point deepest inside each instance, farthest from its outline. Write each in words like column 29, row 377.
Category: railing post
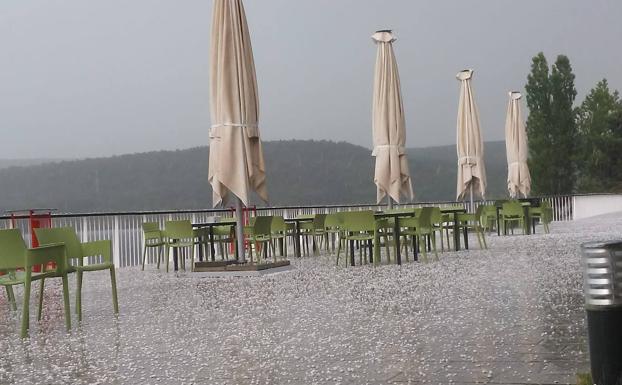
column 116, row 242
column 84, row 235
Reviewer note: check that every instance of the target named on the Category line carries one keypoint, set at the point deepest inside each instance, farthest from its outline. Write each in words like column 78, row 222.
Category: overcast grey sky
column 90, row 78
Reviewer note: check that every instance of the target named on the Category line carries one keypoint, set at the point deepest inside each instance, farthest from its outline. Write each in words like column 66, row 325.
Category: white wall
column 586, row 206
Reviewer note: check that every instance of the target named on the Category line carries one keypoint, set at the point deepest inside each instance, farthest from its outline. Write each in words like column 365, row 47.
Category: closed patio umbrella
column 519, row 180
column 391, row 176
column 236, row 163
column 470, row 148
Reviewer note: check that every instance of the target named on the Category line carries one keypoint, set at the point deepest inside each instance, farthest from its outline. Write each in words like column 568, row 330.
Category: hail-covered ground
column 511, row 314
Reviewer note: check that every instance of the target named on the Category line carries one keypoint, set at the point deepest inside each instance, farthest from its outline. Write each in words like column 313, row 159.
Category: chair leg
column 166, row 256
column 113, row 283
column 11, row 297
column 327, row 238
column 422, row 248
column 66, row 301
column 483, row 233
column 360, row 253
column 192, row 258
column 338, row 251
column 26, row 309
column 159, row 254
column 478, row 233
column 40, row 309
column 144, row 257
column 434, row 244
column 221, row 250
column 79, row 275
column 386, row 245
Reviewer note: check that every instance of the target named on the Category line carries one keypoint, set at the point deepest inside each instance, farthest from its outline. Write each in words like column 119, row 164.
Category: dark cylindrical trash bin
column 602, row 272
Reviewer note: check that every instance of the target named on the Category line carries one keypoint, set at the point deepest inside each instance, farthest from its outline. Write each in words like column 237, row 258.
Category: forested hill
column 299, row 172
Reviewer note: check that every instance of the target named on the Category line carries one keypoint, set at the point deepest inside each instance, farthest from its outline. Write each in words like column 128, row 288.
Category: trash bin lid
column 614, row 244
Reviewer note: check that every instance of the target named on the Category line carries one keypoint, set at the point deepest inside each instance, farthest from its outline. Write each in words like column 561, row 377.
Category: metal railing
column 125, row 228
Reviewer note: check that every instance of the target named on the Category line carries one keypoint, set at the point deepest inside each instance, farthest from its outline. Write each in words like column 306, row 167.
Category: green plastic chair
column 260, row 235
column 179, row 235
column 513, row 213
column 440, row 223
column 77, row 251
column 544, row 213
column 333, row 226
column 359, row 226
column 474, row 222
column 279, row 233
column 316, row 230
column 223, row 236
column 248, row 229
column 419, row 228
column 153, row 240
column 384, row 232
column 15, row 255
column 489, row 218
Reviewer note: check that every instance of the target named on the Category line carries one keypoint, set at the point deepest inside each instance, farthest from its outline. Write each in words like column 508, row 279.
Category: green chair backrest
column 66, row 235
column 480, row 211
column 224, row 230
column 333, row 221
column 12, row 250
column 359, row 221
column 178, row 229
column 513, row 208
column 262, row 225
column 151, row 231
column 278, row 225
column 425, row 217
column 490, row 209
column 422, row 221
column 319, row 221
column 436, row 217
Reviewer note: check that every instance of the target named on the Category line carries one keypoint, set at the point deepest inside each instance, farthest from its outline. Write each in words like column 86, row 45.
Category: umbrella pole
column 239, row 229
column 471, row 207
column 390, row 204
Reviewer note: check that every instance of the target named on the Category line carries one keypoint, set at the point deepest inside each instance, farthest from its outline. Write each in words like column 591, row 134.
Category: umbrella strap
column 471, row 160
column 254, row 125
column 388, row 146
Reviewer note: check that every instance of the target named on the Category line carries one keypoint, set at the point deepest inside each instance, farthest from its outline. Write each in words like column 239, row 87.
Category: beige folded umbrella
column 519, row 180
column 391, row 176
column 236, row 163
column 471, row 170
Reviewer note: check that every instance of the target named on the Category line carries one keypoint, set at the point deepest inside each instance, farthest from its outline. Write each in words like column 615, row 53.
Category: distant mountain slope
column 5, row 163
column 299, row 172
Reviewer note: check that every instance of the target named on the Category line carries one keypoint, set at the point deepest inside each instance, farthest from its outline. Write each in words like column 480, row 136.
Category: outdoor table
column 297, row 235
column 210, row 226
column 455, row 211
column 396, row 236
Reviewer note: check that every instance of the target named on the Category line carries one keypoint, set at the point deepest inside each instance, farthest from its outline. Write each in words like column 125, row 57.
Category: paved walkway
column 512, row 314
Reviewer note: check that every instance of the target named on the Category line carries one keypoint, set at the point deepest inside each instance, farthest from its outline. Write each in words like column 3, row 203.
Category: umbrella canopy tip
column 515, row 95
column 384, row 36
column 465, row 74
